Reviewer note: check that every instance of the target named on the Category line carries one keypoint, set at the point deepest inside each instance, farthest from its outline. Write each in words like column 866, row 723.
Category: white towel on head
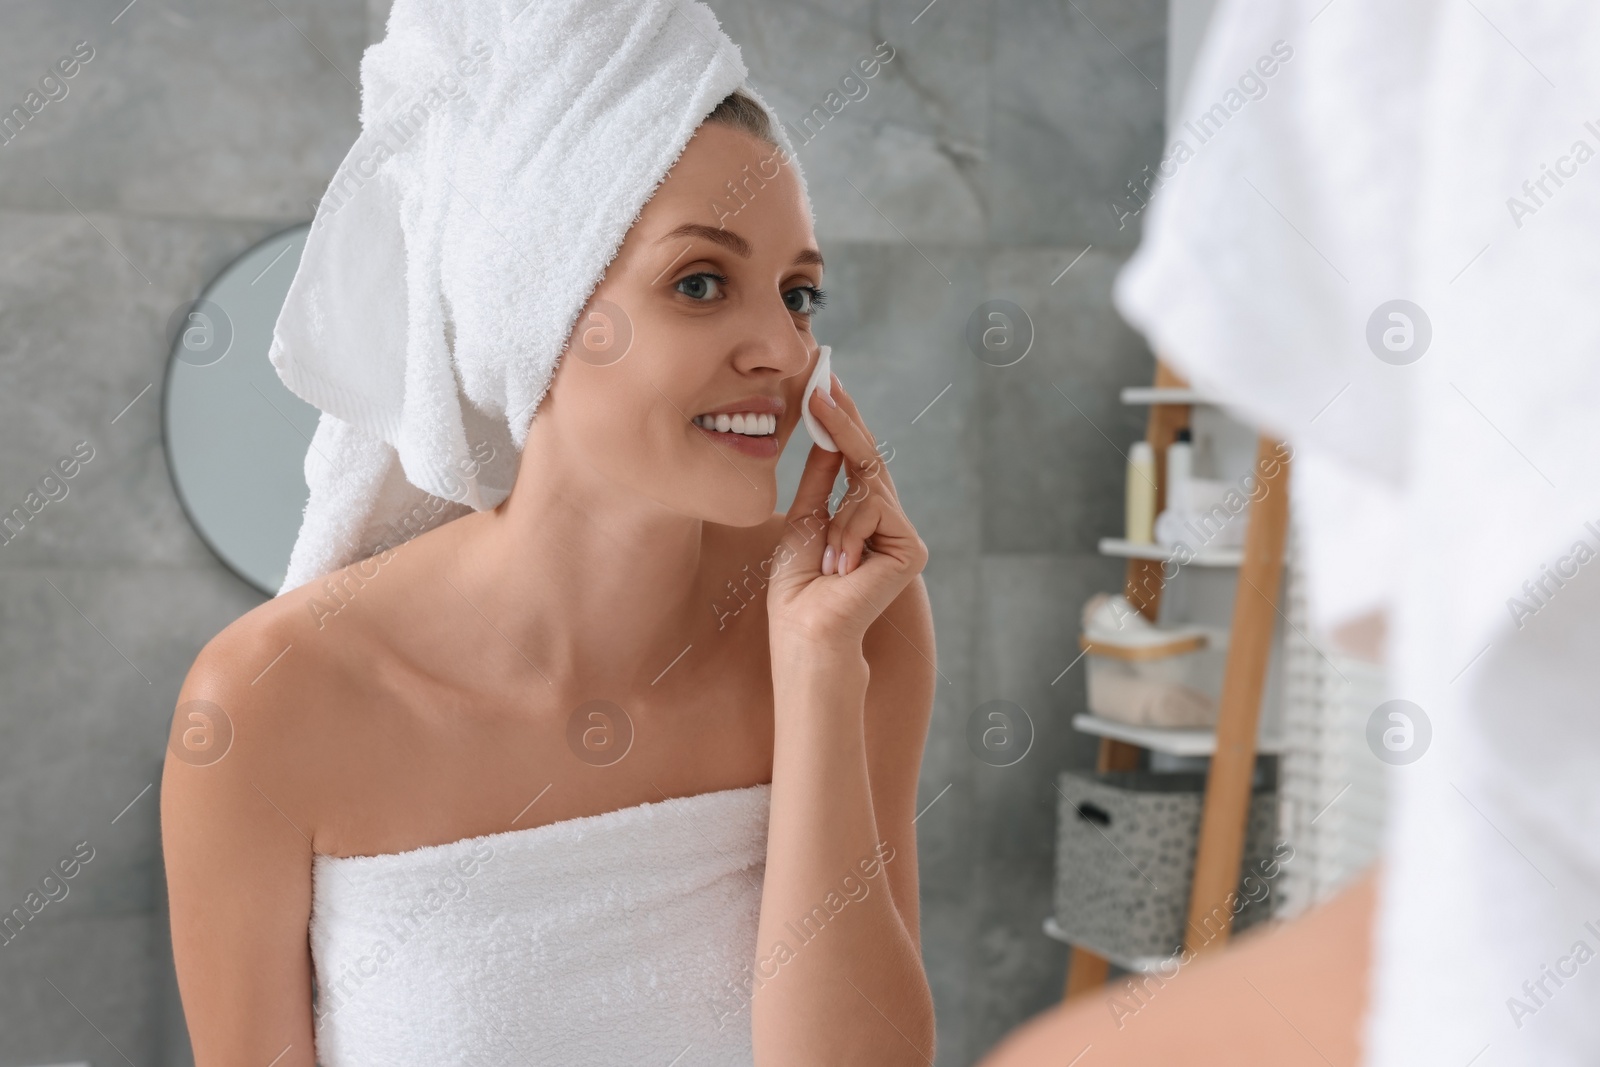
column 506, row 148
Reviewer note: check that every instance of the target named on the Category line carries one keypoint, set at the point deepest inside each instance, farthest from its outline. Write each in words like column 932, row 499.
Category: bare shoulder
column 237, row 831
column 266, row 679
column 251, row 657
column 246, row 650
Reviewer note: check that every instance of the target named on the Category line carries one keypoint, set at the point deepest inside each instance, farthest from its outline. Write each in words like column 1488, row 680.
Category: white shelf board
column 1174, row 742
column 1211, row 557
column 1150, row 394
column 1141, row 964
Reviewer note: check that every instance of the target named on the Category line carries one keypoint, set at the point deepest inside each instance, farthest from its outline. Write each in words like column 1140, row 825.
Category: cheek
column 624, row 422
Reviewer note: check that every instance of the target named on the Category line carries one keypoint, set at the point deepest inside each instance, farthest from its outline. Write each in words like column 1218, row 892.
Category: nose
column 771, row 343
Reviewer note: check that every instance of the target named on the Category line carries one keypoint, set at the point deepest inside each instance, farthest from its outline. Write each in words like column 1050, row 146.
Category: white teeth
column 748, row 423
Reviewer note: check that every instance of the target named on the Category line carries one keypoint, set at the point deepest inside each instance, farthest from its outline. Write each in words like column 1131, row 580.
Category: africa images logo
column 1398, row 732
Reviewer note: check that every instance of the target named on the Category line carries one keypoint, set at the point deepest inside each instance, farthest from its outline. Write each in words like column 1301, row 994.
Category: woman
column 492, row 865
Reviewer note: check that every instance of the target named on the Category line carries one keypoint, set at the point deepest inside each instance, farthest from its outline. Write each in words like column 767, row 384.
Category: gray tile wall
column 983, row 162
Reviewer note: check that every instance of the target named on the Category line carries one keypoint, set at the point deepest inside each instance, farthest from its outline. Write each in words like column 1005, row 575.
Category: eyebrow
column 733, row 242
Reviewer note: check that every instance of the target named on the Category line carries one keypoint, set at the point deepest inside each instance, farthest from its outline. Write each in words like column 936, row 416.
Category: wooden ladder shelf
column 1220, row 849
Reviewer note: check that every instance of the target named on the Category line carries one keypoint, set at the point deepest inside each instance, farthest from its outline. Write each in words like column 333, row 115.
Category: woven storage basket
column 1125, row 845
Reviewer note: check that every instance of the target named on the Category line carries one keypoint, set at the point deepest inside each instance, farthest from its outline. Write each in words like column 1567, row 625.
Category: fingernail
column 844, row 563
column 827, row 394
column 827, row 560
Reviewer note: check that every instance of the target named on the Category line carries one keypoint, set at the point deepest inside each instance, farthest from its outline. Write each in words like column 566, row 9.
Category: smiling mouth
column 747, row 423
column 751, row 433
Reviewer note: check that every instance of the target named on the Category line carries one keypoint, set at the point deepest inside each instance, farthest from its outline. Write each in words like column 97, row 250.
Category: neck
column 597, row 587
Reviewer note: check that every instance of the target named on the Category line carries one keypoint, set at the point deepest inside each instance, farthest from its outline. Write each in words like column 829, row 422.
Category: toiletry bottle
column 1180, row 468
column 1141, row 493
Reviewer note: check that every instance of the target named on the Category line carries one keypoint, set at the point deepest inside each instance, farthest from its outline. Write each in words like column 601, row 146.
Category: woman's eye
column 804, row 299
column 702, row 286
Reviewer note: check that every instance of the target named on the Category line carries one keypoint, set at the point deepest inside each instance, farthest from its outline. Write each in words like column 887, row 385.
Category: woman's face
column 705, row 311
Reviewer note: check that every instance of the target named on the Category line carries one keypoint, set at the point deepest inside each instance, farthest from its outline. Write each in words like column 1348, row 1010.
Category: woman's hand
column 835, row 574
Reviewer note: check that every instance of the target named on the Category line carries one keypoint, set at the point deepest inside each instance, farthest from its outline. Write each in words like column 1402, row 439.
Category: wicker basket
column 1125, row 845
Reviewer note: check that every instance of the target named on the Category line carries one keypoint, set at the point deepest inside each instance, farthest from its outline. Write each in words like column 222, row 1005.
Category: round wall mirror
column 236, row 438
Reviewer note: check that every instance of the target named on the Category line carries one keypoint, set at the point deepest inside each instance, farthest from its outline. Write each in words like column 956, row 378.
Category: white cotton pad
column 821, row 378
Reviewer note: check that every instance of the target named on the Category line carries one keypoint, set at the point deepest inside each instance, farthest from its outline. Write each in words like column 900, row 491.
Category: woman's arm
column 1216, row 1010
column 899, row 647
column 838, row 968
column 238, row 872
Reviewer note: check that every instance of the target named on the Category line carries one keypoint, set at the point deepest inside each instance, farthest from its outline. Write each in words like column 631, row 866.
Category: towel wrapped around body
column 621, row 938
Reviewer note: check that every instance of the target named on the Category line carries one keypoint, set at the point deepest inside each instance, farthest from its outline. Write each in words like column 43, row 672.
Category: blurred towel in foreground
column 1377, row 242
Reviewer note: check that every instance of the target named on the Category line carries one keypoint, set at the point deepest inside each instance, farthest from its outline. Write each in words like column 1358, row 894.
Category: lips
column 757, row 403
column 746, row 422
column 759, row 447
column 749, row 426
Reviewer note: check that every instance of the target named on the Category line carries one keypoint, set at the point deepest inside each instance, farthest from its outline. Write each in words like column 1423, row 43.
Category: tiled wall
column 983, row 162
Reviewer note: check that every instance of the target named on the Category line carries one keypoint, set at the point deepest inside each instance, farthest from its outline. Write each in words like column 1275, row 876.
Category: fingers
column 848, row 403
column 808, row 515
column 849, row 515
column 867, row 523
column 870, row 523
column 816, row 483
column 849, row 533
column 843, row 423
column 841, row 521
column 876, row 533
column 849, row 431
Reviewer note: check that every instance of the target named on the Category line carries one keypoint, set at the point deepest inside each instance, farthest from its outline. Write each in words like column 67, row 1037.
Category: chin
column 737, row 488
column 709, row 488
column 746, row 507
